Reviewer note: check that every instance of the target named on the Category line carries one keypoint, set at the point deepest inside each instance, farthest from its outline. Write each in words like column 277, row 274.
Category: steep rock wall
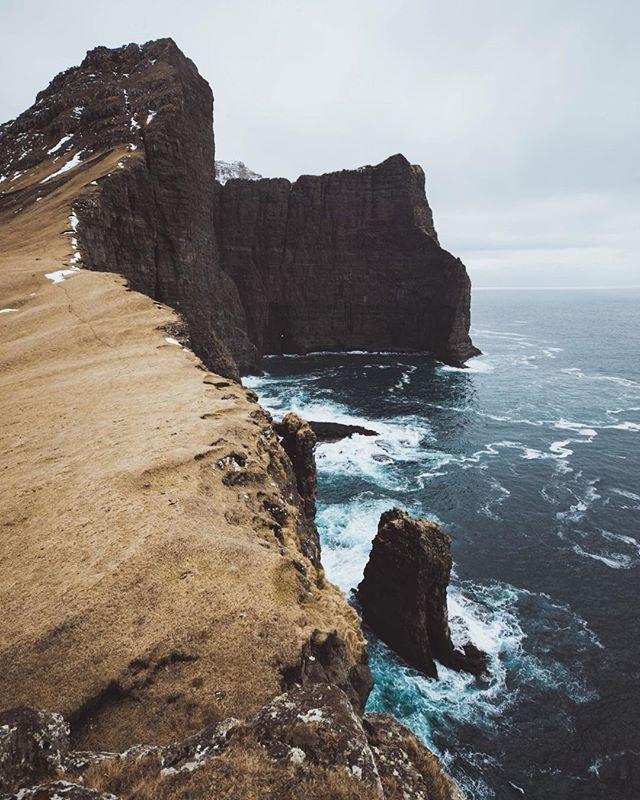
column 151, row 217
column 342, row 261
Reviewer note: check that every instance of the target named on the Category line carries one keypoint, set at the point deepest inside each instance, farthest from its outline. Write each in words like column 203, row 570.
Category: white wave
column 405, row 377
column 627, row 494
column 578, row 427
column 624, row 426
column 617, row 561
column 477, row 365
column 561, row 449
column 577, row 510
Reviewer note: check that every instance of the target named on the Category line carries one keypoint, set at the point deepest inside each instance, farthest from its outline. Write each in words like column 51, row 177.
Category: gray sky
column 525, row 114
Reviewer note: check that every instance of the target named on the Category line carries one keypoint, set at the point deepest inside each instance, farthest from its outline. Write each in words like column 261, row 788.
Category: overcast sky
column 525, row 114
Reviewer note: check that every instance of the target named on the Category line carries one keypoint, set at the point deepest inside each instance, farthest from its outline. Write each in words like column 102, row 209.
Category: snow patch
column 61, row 274
column 60, row 144
column 73, row 162
column 230, row 170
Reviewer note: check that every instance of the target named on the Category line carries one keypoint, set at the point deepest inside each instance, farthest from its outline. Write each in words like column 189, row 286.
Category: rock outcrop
column 147, row 116
column 306, row 744
column 404, row 594
column 299, row 441
column 344, row 261
column 334, row 431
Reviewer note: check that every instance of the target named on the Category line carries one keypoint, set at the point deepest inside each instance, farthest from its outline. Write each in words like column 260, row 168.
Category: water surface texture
column 530, row 460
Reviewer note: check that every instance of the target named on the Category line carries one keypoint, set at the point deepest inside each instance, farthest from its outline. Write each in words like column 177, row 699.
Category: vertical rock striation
column 343, row 261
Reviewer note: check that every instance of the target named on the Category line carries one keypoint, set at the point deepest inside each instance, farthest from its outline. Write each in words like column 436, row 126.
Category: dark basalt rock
column 334, row 431
column 324, row 659
column 299, row 441
column 151, row 218
column 344, row 261
column 404, row 594
column 32, row 746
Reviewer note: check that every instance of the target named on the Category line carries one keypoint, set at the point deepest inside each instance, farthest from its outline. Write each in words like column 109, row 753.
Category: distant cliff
column 344, row 261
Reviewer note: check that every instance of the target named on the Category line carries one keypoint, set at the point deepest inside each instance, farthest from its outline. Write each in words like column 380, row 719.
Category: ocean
column 530, row 460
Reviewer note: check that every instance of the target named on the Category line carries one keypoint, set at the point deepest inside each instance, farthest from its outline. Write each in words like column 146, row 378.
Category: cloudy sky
column 525, row 114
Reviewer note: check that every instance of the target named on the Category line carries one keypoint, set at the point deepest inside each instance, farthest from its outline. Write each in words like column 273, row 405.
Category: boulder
column 32, row 746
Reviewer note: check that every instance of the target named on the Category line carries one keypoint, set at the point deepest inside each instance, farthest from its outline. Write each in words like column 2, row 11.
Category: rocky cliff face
column 150, row 215
column 344, row 261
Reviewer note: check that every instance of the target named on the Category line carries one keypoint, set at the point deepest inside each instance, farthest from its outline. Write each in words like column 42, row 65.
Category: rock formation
column 336, row 262
column 299, row 442
column 344, row 261
column 306, row 744
column 404, row 594
column 334, row 431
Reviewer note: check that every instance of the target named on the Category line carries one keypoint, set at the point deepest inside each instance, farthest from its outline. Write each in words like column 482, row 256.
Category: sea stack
column 404, row 594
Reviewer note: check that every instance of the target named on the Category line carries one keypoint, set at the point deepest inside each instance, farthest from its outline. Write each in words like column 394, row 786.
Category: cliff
column 160, row 568
column 161, row 563
column 143, row 117
column 344, row 261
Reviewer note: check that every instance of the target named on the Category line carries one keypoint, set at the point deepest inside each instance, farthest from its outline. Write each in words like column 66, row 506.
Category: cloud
column 525, row 116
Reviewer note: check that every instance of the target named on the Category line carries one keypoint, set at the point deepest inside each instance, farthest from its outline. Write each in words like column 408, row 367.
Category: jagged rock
column 334, row 431
column 406, row 767
column 299, row 442
column 32, row 746
column 317, row 724
column 404, row 594
column 343, row 261
column 60, row 790
column 325, row 659
column 305, row 734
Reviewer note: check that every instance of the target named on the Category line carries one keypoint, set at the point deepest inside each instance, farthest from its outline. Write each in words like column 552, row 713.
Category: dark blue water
column 531, row 462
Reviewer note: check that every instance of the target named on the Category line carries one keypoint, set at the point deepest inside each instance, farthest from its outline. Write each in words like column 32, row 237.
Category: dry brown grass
column 120, row 548
column 243, row 772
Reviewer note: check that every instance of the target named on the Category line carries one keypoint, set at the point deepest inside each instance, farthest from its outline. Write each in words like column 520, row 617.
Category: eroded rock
column 32, row 746
column 404, row 594
column 325, row 659
column 299, row 441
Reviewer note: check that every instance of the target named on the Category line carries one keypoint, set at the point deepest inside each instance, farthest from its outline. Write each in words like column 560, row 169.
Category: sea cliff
column 164, row 570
